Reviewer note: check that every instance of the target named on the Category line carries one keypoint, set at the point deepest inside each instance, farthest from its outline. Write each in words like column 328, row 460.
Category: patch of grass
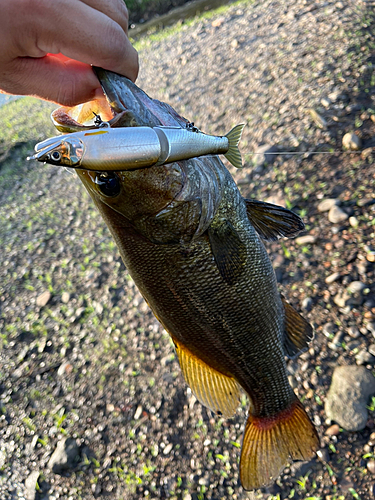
column 25, row 120
column 159, row 35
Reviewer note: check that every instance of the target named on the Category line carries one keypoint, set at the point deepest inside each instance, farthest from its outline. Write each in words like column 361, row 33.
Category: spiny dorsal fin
column 298, row 332
column 218, row 392
column 228, row 250
column 233, row 154
column 272, row 221
column 268, row 443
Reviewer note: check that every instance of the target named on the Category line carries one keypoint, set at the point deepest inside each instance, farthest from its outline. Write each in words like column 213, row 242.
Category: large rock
column 348, row 396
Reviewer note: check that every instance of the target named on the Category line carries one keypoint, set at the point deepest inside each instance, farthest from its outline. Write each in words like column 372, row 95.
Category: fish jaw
column 123, row 95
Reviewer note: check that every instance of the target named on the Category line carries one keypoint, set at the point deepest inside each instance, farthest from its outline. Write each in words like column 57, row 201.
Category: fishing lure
column 127, row 148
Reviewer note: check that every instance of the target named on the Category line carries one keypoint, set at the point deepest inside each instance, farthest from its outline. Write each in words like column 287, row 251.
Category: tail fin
column 269, row 442
column 233, row 154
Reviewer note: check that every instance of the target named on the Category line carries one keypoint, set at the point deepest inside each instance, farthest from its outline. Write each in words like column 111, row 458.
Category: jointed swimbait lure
column 127, row 148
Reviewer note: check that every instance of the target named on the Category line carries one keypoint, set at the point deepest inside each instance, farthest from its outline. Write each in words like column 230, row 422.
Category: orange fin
column 213, row 389
column 298, row 332
column 272, row 222
column 269, row 442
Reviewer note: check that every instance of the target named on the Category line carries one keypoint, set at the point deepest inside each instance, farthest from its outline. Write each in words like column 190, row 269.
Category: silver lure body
column 127, row 148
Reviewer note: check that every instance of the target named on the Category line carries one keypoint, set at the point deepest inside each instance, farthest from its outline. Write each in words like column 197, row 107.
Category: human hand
column 48, row 47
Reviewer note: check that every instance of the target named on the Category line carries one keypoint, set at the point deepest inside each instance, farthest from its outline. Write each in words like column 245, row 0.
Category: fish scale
column 192, row 245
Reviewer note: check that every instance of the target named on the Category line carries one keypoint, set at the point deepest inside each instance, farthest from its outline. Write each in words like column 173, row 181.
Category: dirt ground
column 81, row 355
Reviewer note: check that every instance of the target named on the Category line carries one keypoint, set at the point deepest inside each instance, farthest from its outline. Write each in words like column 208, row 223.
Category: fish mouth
column 124, row 95
column 125, row 105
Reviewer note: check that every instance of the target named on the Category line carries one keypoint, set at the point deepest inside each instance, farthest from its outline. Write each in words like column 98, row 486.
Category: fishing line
column 303, row 152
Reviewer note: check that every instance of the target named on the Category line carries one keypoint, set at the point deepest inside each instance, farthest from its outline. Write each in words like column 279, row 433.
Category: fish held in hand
column 192, row 245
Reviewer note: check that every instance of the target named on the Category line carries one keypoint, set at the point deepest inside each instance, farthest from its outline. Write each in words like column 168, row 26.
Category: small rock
column 354, row 332
column 364, row 358
column 364, row 202
column 65, row 297
column 336, row 215
column 326, row 101
column 353, row 221
column 353, row 344
column 307, row 303
column 333, row 430
column 338, row 338
column 347, row 398
column 337, row 96
column 329, row 329
column 366, row 153
column 168, row 449
column 64, row 456
column 332, row 278
column 30, row 485
column 371, row 256
column 356, row 287
column 306, row 239
column 351, row 141
column 234, row 43
column 318, row 119
column 138, row 412
column 323, row 454
column 371, row 349
column 43, row 299
column 327, row 204
column 216, row 23
column 3, row 458
column 371, row 466
column 342, row 299
column 371, row 327
column 64, row 369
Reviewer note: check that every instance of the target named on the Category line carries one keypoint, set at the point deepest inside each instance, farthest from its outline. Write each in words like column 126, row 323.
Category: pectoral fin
column 228, row 250
column 217, row 391
column 272, row 221
column 298, row 332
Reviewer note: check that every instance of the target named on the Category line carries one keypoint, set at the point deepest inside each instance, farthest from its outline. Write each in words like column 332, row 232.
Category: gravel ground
column 85, row 368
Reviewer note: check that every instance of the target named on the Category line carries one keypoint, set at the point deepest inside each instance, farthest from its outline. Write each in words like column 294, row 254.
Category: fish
column 125, row 148
column 194, row 247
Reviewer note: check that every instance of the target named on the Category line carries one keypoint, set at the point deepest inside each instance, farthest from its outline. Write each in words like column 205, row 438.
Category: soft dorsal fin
column 228, row 250
column 272, row 221
column 298, row 332
column 217, row 391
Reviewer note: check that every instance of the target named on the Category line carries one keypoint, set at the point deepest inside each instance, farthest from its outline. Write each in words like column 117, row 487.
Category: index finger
column 86, row 35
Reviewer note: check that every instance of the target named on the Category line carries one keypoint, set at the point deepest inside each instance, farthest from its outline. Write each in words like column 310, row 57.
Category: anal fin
column 298, row 332
column 217, row 391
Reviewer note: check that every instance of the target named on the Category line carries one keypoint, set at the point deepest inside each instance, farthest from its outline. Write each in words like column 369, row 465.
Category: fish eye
column 108, row 183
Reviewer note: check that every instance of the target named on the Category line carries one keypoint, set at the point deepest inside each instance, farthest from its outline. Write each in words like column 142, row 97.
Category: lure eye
column 56, row 156
column 108, row 183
